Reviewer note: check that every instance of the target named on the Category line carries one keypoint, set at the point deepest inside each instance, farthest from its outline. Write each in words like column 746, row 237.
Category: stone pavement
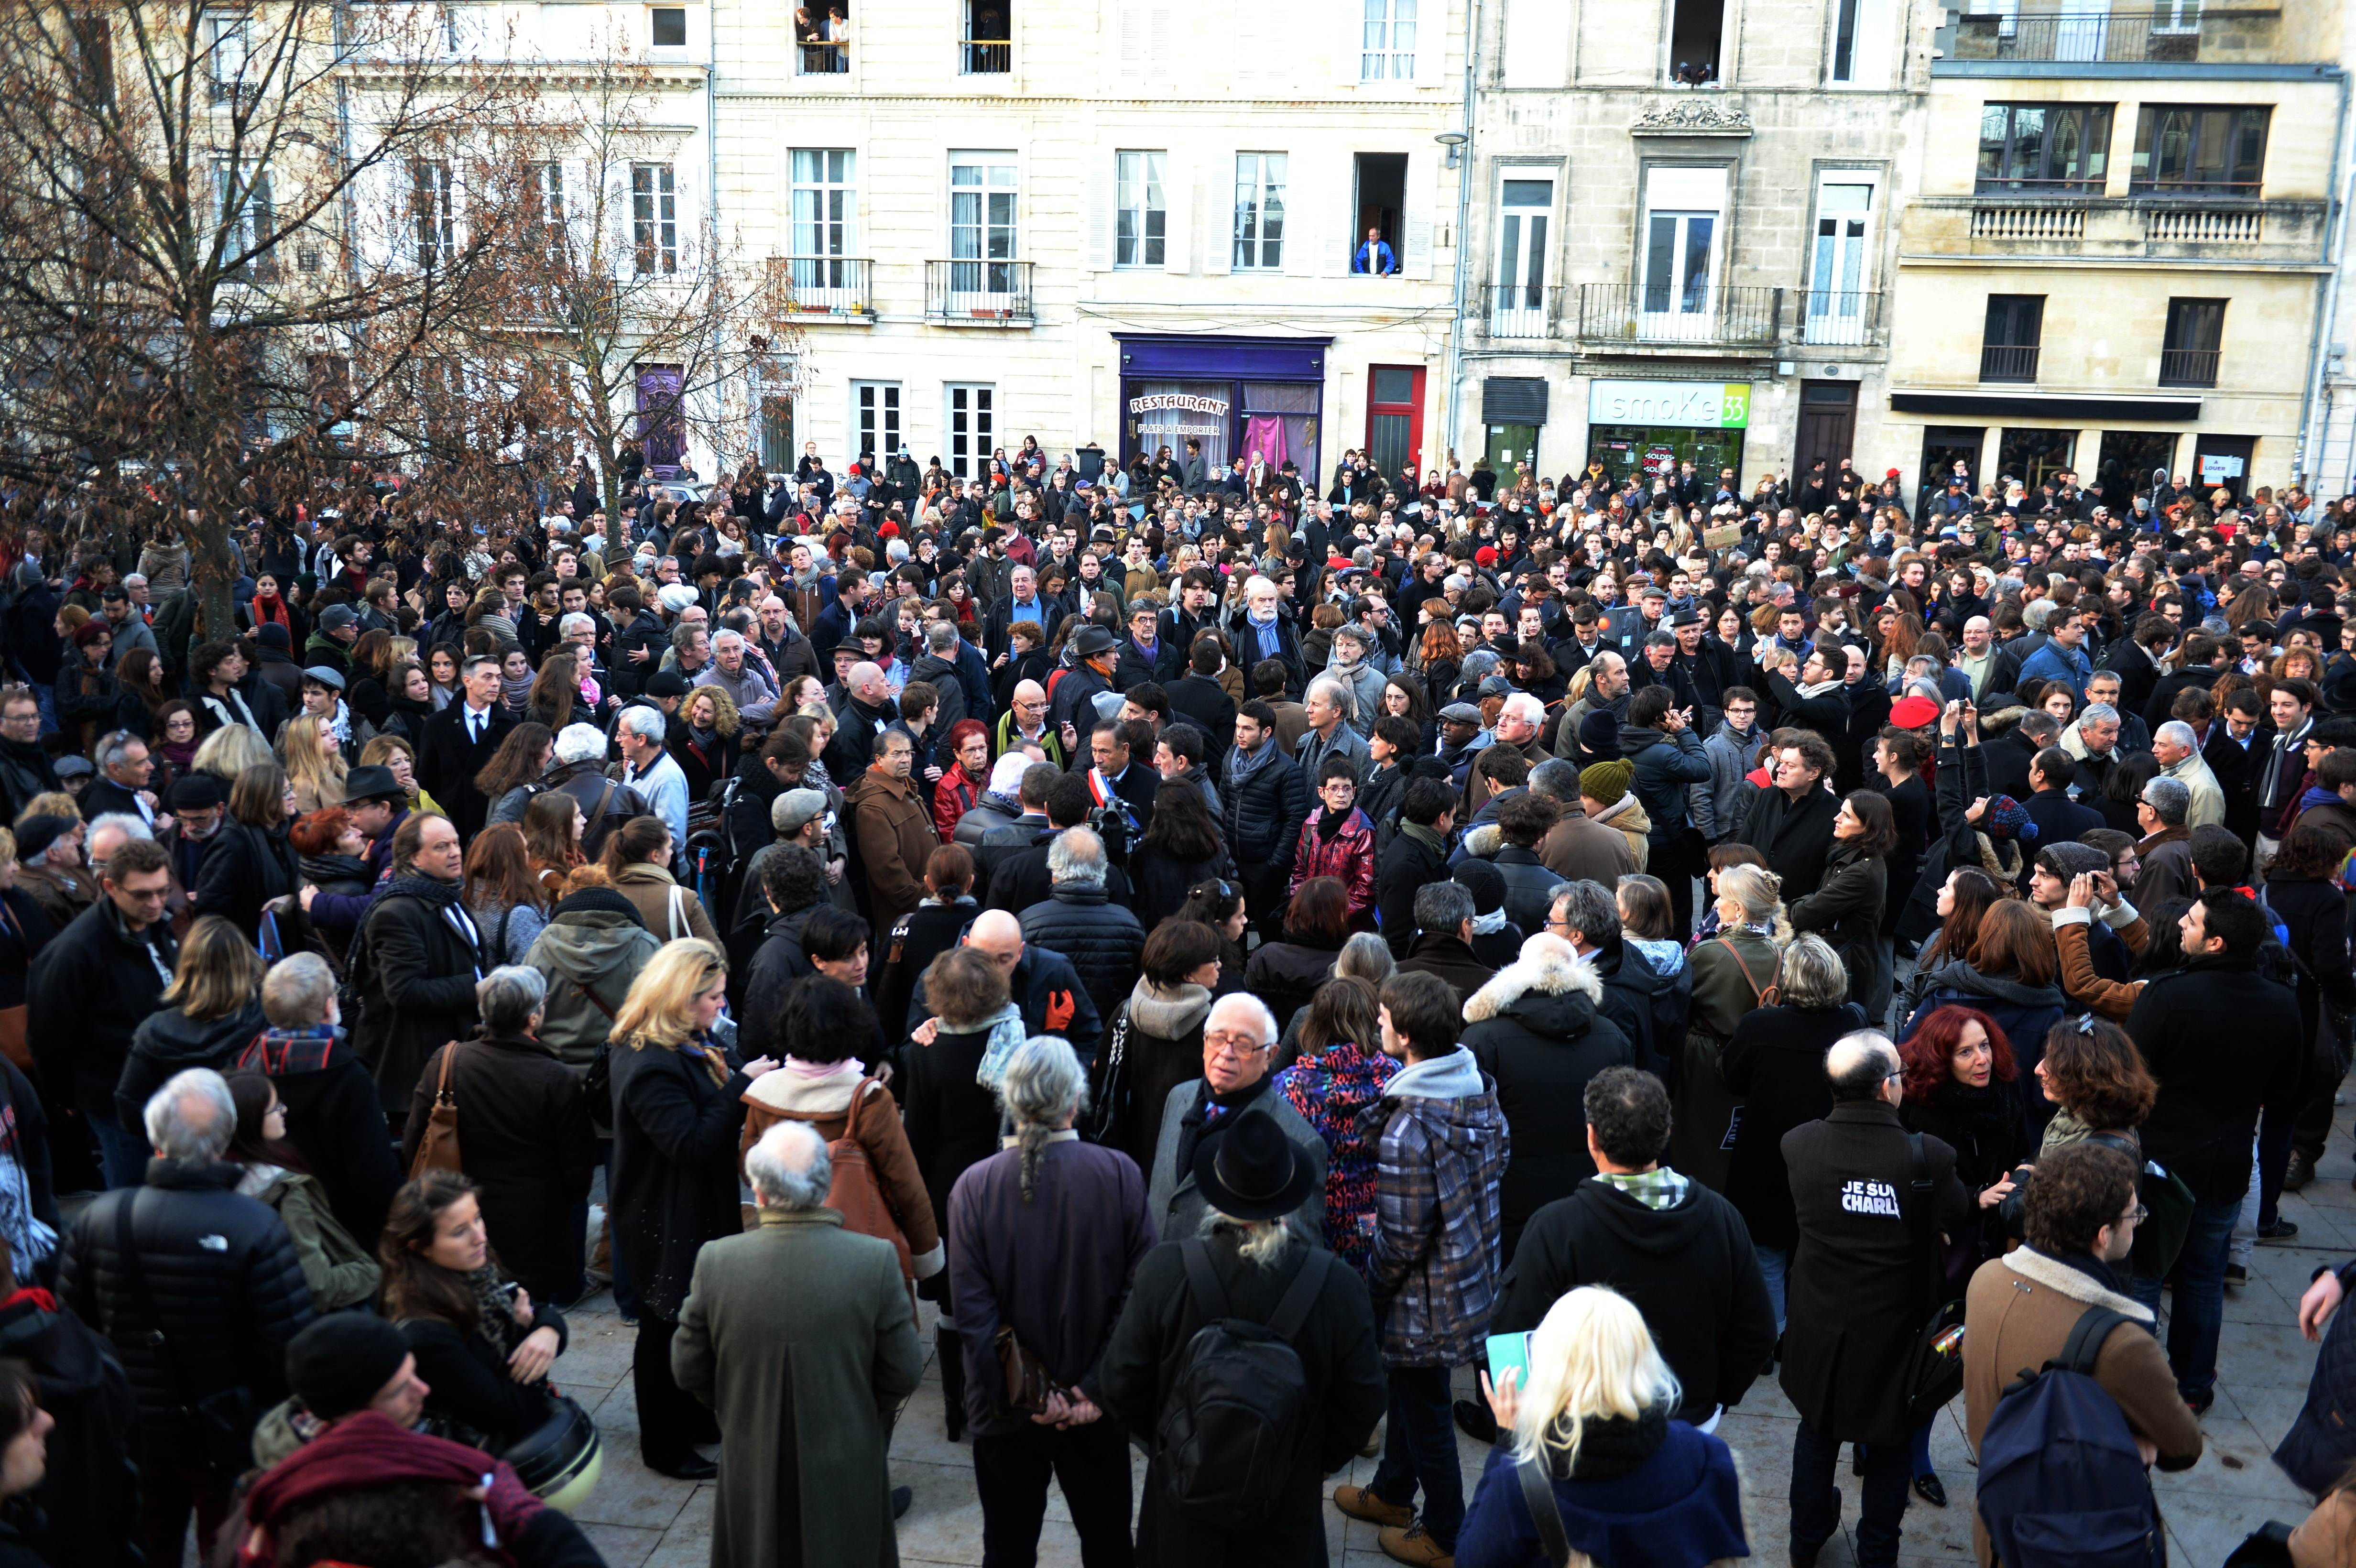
column 642, row 1520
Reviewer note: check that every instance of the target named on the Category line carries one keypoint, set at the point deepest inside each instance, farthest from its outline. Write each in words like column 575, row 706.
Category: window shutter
column 1103, row 193
column 1177, row 233
column 262, row 223
column 1416, row 227
column 1337, row 233
column 1348, row 30
column 1431, row 41
column 1217, row 206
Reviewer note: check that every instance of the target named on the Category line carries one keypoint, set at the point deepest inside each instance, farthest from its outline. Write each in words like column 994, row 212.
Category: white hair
column 646, row 723
column 2177, row 731
column 131, row 827
column 789, row 1168
column 1076, row 855
column 1255, row 583
column 1522, row 705
column 574, row 621
column 579, row 743
column 727, row 634
column 192, row 1117
column 1264, row 1021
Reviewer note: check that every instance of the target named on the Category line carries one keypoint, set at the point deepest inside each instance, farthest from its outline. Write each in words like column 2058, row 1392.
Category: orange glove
column 1060, row 1008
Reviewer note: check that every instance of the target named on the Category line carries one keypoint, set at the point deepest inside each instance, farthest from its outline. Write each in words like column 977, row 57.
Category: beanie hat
column 1599, row 735
column 338, row 1364
column 2067, row 858
column 270, row 635
column 2008, row 818
column 36, row 833
column 1484, row 881
column 1606, row 781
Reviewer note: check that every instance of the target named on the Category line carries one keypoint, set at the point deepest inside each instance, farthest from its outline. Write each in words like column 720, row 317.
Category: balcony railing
column 1835, row 316
column 2130, row 36
column 2204, row 226
column 977, row 293
column 2038, row 222
column 1520, row 309
column 826, row 285
column 819, row 58
column 1636, row 312
column 985, row 56
column 2188, row 367
column 2009, row 362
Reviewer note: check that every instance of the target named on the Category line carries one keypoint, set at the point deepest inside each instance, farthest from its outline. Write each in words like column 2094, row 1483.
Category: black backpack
column 1237, row 1415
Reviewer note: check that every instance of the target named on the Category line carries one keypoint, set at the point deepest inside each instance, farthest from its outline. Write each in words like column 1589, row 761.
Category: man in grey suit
column 1239, row 1040
column 1197, row 472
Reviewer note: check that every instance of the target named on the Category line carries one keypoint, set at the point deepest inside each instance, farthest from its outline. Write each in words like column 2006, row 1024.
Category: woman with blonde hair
column 678, row 1108
column 1626, row 1484
column 211, row 1011
column 229, row 750
column 393, row 752
column 314, row 761
column 252, row 859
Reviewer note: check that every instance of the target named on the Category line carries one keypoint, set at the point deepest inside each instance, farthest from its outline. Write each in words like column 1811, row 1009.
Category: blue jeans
column 2198, row 1311
column 1419, row 1448
column 121, row 1154
column 1816, row 1498
column 1776, row 1263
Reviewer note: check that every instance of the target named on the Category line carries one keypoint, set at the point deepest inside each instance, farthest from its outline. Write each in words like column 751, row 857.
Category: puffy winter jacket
column 1536, row 1032
column 1103, row 941
column 224, row 1277
column 593, row 947
column 1666, row 766
column 1265, row 812
column 170, row 1041
column 1438, row 1251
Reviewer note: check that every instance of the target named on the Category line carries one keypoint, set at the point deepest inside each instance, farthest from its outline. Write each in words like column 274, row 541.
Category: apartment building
column 2119, row 252
column 1679, row 243
column 1124, row 221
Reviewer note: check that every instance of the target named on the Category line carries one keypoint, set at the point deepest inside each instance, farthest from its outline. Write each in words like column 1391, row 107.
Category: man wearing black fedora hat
column 1088, row 672
column 1252, row 1253
column 1239, row 1040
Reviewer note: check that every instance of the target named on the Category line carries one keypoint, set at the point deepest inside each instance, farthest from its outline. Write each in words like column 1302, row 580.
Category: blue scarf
column 1269, row 646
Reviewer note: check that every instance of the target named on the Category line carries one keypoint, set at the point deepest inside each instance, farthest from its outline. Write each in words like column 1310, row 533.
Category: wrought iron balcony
column 974, row 293
column 1696, row 316
column 826, row 285
column 2009, row 362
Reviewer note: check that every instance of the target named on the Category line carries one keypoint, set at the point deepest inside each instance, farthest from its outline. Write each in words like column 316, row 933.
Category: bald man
column 866, row 712
column 1024, row 723
column 1039, row 981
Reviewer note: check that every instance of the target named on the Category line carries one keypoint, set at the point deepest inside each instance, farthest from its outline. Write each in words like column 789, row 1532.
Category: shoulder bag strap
column 1201, row 1282
column 442, row 1095
column 1300, row 1296
column 1538, row 1495
column 1757, row 990
column 671, row 914
column 2085, row 1345
column 500, row 936
column 1918, row 1213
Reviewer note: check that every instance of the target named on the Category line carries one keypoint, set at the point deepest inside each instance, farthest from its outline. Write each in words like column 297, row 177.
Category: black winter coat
column 246, row 868
column 1341, row 1365
column 1689, row 1269
column 226, row 1287
column 92, row 1461
column 1776, row 1062
column 170, row 1041
column 86, row 995
column 951, row 1120
column 470, row 1381
column 1665, row 765
column 1405, row 866
column 1534, row 1028
column 1797, row 836
column 335, row 1118
column 1265, row 813
column 524, row 1138
column 1529, row 886
column 414, row 971
column 1846, row 908
column 673, row 1181
column 2202, row 1125
column 776, row 963
column 1103, row 941
column 1858, row 1293
column 2315, row 913
column 1157, row 881
column 1288, row 974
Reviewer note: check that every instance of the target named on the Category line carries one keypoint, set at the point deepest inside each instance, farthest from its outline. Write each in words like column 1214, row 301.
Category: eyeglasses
column 1238, row 1046
column 2136, row 1216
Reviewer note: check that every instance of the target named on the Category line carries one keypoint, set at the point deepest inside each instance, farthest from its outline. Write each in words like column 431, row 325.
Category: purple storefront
column 1236, row 395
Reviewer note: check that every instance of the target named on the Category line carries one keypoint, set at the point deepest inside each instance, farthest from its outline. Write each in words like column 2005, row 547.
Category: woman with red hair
column 968, row 746
column 1964, row 1088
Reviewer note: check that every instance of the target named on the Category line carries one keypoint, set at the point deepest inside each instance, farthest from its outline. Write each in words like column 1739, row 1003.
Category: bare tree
column 231, row 249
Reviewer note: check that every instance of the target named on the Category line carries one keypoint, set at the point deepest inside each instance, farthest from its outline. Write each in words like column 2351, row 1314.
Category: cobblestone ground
column 642, row 1520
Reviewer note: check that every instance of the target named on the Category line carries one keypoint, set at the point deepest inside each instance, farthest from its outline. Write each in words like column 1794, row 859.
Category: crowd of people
column 1243, row 956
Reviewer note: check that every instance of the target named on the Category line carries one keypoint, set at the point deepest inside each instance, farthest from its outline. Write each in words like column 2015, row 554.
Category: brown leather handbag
column 438, row 1150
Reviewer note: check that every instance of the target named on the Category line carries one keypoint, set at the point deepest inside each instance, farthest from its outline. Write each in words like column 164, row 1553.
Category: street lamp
column 1453, row 141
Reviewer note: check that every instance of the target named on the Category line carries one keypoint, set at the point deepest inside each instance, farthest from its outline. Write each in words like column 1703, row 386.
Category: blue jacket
column 1375, row 257
column 2054, row 662
column 1680, row 1506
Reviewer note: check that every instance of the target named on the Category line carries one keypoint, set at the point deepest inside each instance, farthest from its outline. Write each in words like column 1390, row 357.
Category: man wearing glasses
column 26, row 770
column 93, row 985
column 1238, row 1041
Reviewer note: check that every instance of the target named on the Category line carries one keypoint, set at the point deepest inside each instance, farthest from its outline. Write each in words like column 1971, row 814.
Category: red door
column 1395, row 416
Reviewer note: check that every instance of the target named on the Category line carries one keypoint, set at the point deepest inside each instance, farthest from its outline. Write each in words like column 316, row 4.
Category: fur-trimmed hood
column 1551, row 973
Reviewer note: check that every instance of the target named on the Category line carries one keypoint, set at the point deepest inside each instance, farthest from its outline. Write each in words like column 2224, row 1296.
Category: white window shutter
column 1416, row 261
column 1337, row 205
column 1178, row 192
column 1219, row 209
column 1101, row 196
column 1431, row 40
column 1347, row 30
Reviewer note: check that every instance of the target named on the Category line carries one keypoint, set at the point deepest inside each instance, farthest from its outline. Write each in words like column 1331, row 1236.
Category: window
column 989, row 48
column 2008, row 343
column 981, row 223
column 247, row 221
column 654, row 219
column 432, row 227
column 2195, row 341
column 544, row 191
column 1696, row 27
column 824, row 199
column 822, row 29
column 2044, row 146
column 1381, row 215
column 1386, row 52
column 93, row 50
column 972, row 430
column 1142, row 219
column 2184, row 150
column 1517, row 309
column 875, row 411
column 777, row 433
column 1678, row 255
column 667, row 26
column 1259, row 210
column 230, row 41
column 1842, row 263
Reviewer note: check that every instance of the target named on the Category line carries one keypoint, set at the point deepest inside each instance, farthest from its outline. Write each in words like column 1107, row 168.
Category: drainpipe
column 1463, row 210
column 2326, row 304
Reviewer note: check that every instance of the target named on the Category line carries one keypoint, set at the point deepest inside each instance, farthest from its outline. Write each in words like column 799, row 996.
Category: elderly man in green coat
column 800, row 1336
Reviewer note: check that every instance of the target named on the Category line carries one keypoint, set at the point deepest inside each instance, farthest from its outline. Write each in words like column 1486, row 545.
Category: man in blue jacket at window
column 1373, row 257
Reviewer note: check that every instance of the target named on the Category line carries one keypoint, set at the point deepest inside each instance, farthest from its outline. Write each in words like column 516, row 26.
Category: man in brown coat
column 893, row 830
column 2082, row 1211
